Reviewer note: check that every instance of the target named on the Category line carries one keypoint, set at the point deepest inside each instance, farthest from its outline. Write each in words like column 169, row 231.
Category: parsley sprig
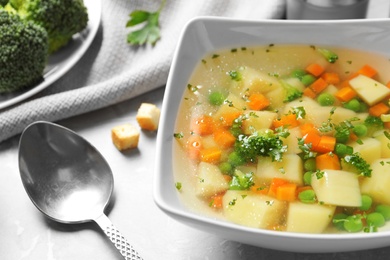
column 150, row 32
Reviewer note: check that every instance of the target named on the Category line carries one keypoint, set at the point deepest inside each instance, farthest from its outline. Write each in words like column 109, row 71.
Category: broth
column 255, row 127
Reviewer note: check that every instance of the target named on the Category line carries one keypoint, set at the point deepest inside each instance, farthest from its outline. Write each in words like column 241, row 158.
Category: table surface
column 27, row 234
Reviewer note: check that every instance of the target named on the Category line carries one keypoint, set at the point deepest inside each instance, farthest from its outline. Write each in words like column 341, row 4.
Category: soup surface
column 287, row 138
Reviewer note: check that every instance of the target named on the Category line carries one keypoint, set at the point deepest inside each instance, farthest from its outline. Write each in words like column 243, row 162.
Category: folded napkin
column 112, row 71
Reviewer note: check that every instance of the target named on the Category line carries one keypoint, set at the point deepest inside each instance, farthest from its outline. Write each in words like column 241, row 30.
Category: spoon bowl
column 68, row 179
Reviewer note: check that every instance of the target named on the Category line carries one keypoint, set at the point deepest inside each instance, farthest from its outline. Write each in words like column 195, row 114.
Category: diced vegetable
column 315, row 69
column 368, row 89
column 331, row 77
column 290, row 169
column 339, row 188
column 265, row 211
column 346, row 94
column 210, row 180
column 328, row 161
column 258, row 101
column 317, row 217
column 377, row 186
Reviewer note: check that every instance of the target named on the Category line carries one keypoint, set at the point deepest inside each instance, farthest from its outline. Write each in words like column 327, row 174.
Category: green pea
column 326, row 99
column 235, row 159
column 342, row 136
column 308, row 79
column 360, row 130
column 298, row 73
column 216, row 98
column 307, row 178
column 310, row 164
column 338, row 220
column 363, row 107
column 353, row 223
column 226, row 168
column 384, row 210
column 366, row 202
column 375, row 219
column 307, row 196
column 353, row 105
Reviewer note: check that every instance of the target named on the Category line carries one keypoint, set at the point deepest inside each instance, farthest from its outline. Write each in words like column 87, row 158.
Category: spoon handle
column 120, row 242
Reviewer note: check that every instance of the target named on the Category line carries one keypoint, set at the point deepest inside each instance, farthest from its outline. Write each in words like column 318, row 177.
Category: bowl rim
column 165, row 135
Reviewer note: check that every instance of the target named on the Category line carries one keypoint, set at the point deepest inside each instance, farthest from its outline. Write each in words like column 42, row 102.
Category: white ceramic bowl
column 204, row 35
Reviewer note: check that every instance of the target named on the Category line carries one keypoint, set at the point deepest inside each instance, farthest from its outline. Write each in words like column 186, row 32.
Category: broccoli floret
column 292, row 93
column 241, row 181
column 355, row 163
column 330, row 56
column 373, row 124
column 61, row 18
column 266, row 144
column 3, row 2
column 23, row 52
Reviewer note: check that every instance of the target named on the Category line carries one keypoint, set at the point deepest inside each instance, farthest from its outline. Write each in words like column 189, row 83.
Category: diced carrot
column 353, row 136
column 224, row 138
column 307, row 128
column 286, row 192
column 328, row 161
column 308, row 92
column 275, row 183
column 378, row 109
column 216, row 201
column 289, row 121
column 194, row 144
column 386, row 125
column 258, row 101
column 227, row 177
column 345, row 94
column 315, row 69
column 331, row 78
column 326, row 144
column 344, row 83
column 367, row 70
column 312, row 137
column 203, row 125
column 227, row 119
column 388, row 84
column 318, row 86
column 210, row 155
column 259, row 189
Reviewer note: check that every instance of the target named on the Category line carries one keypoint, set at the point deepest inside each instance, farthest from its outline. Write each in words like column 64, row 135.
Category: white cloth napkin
column 112, row 71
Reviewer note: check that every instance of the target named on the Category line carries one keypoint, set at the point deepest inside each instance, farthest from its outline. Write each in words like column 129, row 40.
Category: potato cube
column 299, row 213
column 292, row 140
column 368, row 89
column 370, row 150
column 336, row 187
column 276, row 97
column 257, row 120
column 148, row 116
column 210, row 180
column 290, row 168
column 125, row 136
column 377, row 186
column 258, row 211
column 232, row 104
column 255, row 81
column 385, row 144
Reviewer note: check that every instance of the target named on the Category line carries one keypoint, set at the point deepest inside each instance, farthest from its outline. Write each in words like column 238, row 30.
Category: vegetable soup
column 288, row 138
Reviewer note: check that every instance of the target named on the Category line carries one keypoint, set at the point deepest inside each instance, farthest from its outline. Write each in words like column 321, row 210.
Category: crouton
column 148, row 116
column 125, row 136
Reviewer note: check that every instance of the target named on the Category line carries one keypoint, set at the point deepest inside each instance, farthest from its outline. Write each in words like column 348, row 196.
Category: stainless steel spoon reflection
column 67, row 179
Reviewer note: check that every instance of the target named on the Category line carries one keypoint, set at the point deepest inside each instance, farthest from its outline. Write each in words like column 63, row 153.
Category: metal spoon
column 68, row 180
